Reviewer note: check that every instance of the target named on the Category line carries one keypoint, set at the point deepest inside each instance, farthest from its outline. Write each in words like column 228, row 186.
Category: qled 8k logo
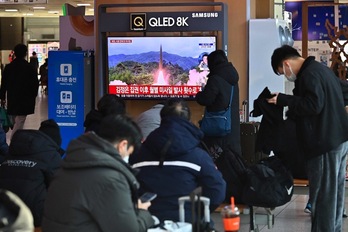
column 65, row 69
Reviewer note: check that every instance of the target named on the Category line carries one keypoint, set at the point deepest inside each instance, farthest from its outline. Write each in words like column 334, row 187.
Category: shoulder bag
column 217, row 123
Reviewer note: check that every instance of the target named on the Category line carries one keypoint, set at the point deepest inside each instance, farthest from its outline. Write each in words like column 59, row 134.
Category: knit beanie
column 51, row 128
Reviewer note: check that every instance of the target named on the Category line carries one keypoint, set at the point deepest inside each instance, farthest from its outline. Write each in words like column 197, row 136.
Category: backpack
column 265, row 184
column 233, row 170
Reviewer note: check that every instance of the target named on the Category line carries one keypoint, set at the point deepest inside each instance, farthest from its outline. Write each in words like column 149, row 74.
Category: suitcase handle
column 206, row 203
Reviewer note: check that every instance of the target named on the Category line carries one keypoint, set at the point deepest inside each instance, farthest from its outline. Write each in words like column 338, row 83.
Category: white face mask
column 126, row 159
column 292, row 76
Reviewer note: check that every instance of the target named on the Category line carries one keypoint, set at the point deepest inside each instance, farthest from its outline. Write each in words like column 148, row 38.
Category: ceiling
column 52, row 8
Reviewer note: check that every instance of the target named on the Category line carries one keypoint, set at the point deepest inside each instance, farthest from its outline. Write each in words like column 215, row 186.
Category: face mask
column 292, row 76
column 126, row 159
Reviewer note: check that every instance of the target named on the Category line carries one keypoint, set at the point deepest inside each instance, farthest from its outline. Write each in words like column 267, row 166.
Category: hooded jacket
column 28, row 169
column 318, row 109
column 95, row 190
column 185, row 167
column 216, row 96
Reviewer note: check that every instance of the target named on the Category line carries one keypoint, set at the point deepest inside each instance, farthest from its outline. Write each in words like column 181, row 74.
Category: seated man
column 34, row 156
column 172, row 164
column 95, row 189
column 107, row 105
column 149, row 119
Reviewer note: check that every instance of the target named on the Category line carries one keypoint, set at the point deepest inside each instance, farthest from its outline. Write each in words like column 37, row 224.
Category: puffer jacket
column 185, row 167
column 95, row 190
column 216, row 96
column 28, row 169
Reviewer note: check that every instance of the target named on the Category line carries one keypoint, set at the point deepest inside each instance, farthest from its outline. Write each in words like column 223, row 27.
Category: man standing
column 19, row 86
column 317, row 106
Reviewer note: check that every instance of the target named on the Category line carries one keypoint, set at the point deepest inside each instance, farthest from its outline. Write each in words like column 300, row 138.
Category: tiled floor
column 41, row 113
column 288, row 218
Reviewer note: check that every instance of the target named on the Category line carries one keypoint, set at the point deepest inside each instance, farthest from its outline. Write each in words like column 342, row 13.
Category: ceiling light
column 53, row 12
column 39, row 7
column 83, row 4
column 11, row 10
column 28, row 14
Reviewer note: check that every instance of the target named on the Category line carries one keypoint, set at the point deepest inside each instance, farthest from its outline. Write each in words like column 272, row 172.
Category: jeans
column 326, row 175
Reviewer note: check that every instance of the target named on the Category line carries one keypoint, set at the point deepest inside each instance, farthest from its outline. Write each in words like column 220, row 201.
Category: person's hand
column 143, row 205
column 3, row 103
column 273, row 100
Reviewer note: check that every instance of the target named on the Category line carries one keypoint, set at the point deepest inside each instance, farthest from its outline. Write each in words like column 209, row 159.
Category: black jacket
column 318, row 109
column 216, row 96
column 28, row 170
column 278, row 135
column 19, row 85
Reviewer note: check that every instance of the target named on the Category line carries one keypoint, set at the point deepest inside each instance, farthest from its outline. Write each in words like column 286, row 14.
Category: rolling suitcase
column 198, row 225
column 248, row 137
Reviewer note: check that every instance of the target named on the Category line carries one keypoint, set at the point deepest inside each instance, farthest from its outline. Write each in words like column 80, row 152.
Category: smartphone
column 146, row 197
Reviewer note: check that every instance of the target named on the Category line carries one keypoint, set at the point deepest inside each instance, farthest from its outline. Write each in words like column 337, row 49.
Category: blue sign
column 66, row 92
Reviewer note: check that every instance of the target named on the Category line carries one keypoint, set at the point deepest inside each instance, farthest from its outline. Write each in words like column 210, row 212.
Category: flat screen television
column 158, row 67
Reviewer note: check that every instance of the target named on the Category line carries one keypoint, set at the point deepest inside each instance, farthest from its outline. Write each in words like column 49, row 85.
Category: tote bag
column 217, row 123
column 5, row 120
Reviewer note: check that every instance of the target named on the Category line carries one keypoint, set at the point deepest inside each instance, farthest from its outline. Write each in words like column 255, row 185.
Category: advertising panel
column 66, row 92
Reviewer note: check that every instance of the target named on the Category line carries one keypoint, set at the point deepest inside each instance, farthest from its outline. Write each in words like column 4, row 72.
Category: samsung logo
column 205, row 15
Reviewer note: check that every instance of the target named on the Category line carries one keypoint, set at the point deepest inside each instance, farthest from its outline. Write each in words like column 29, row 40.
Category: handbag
column 217, row 123
column 5, row 120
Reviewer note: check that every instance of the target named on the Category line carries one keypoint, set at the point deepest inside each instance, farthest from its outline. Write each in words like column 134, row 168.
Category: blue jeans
column 326, row 175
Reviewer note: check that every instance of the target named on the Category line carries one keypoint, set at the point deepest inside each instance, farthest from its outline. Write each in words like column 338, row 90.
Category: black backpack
column 265, row 184
column 233, row 170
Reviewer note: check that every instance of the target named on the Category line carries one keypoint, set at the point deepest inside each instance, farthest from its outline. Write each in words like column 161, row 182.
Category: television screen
column 158, row 67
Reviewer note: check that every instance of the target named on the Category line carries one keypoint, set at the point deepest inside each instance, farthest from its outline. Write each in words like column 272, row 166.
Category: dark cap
column 51, row 128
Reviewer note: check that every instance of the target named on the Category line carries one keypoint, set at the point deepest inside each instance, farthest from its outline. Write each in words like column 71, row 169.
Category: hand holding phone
column 146, row 197
column 144, row 205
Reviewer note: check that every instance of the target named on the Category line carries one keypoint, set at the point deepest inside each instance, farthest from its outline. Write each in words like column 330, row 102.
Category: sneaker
column 308, row 208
